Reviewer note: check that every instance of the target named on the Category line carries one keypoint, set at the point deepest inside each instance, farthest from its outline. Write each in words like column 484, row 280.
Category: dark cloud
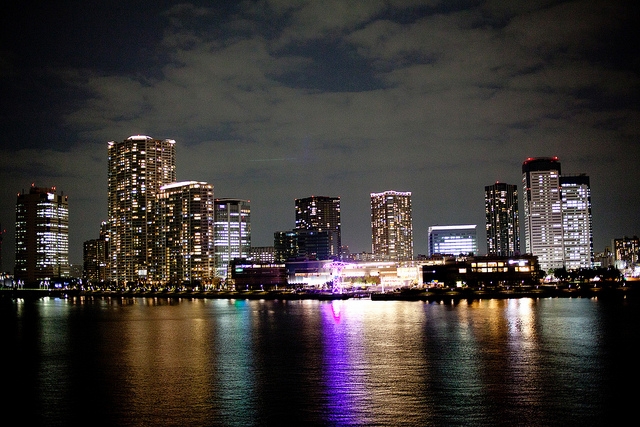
column 276, row 100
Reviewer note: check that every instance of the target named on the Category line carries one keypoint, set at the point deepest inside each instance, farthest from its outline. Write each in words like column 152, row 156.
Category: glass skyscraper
column 502, row 222
column 42, row 236
column 391, row 226
column 137, row 168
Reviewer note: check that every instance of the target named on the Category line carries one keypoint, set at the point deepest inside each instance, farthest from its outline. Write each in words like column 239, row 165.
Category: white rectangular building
column 453, row 240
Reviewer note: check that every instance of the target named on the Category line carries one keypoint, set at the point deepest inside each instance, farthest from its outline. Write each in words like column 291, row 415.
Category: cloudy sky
column 280, row 99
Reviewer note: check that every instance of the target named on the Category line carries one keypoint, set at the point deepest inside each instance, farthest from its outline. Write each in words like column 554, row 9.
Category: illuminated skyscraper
column 321, row 213
column 558, row 222
column 502, row 222
column 453, row 240
column 391, row 226
column 137, row 168
column 42, row 236
column 183, row 243
column 543, row 211
column 576, row 221
column 232, row 232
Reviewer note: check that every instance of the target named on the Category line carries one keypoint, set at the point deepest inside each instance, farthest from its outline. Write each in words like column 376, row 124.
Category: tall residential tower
column 137, row 168
column 502, row 222
column 391, row 226
column 183, row 250
column 577, row 223
column 557, row 211
column 543, row 211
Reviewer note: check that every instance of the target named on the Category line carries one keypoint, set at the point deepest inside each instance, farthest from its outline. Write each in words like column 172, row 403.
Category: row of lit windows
column 518, row 269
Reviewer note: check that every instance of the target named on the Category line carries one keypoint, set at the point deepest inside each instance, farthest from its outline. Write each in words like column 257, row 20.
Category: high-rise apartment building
column 453, row 240
column 557, row 213
column 137, row 168
column 577, row 226
column 543, row 211
column 502, row 222
column 183, row 250
column 232, row 231
column 322, row 214
column 392, row 226
column 42, row 236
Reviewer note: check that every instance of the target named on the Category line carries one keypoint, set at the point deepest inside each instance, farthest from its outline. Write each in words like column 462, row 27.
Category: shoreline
column 427, row 295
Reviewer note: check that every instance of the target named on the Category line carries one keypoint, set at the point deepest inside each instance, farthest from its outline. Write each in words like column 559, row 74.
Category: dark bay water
column 159, row 362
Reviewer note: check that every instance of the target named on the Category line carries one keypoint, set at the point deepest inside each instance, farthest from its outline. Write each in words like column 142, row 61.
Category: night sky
column 276, row 100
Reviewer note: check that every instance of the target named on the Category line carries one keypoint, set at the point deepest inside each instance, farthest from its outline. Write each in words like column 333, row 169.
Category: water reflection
column 232, row 358
column 342, row 373
column 373, row 363
column 357, row 362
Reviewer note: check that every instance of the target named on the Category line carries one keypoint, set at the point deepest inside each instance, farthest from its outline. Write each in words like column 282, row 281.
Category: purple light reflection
column 336, row 310
column 344, row 395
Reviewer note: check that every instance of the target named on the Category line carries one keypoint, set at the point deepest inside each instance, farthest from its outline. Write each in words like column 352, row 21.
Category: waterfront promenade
column 429, row 294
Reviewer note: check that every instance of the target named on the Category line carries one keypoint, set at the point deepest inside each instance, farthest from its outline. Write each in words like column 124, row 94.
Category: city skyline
column 271, row 102
column 576, row 178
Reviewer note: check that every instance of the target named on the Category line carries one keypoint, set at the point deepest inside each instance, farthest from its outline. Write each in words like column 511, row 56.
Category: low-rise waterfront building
column 487, row 271
column 247, row 275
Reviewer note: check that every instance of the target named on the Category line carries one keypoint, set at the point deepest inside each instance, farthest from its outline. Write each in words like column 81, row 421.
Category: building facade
column 626, row 252
column 232, row 233
column 265, row 254
column 42, row 236
column 502, row 219
column 543, row 211
column 257, row 276
column 94, row 261
column 392, row 226
column 137, row 168
column 314, row 244
column 95, row 257
column 285, row 245
column 322, row 214
column 183, row 250
column 487, row 271
column 577, row 225
column 453, row 240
